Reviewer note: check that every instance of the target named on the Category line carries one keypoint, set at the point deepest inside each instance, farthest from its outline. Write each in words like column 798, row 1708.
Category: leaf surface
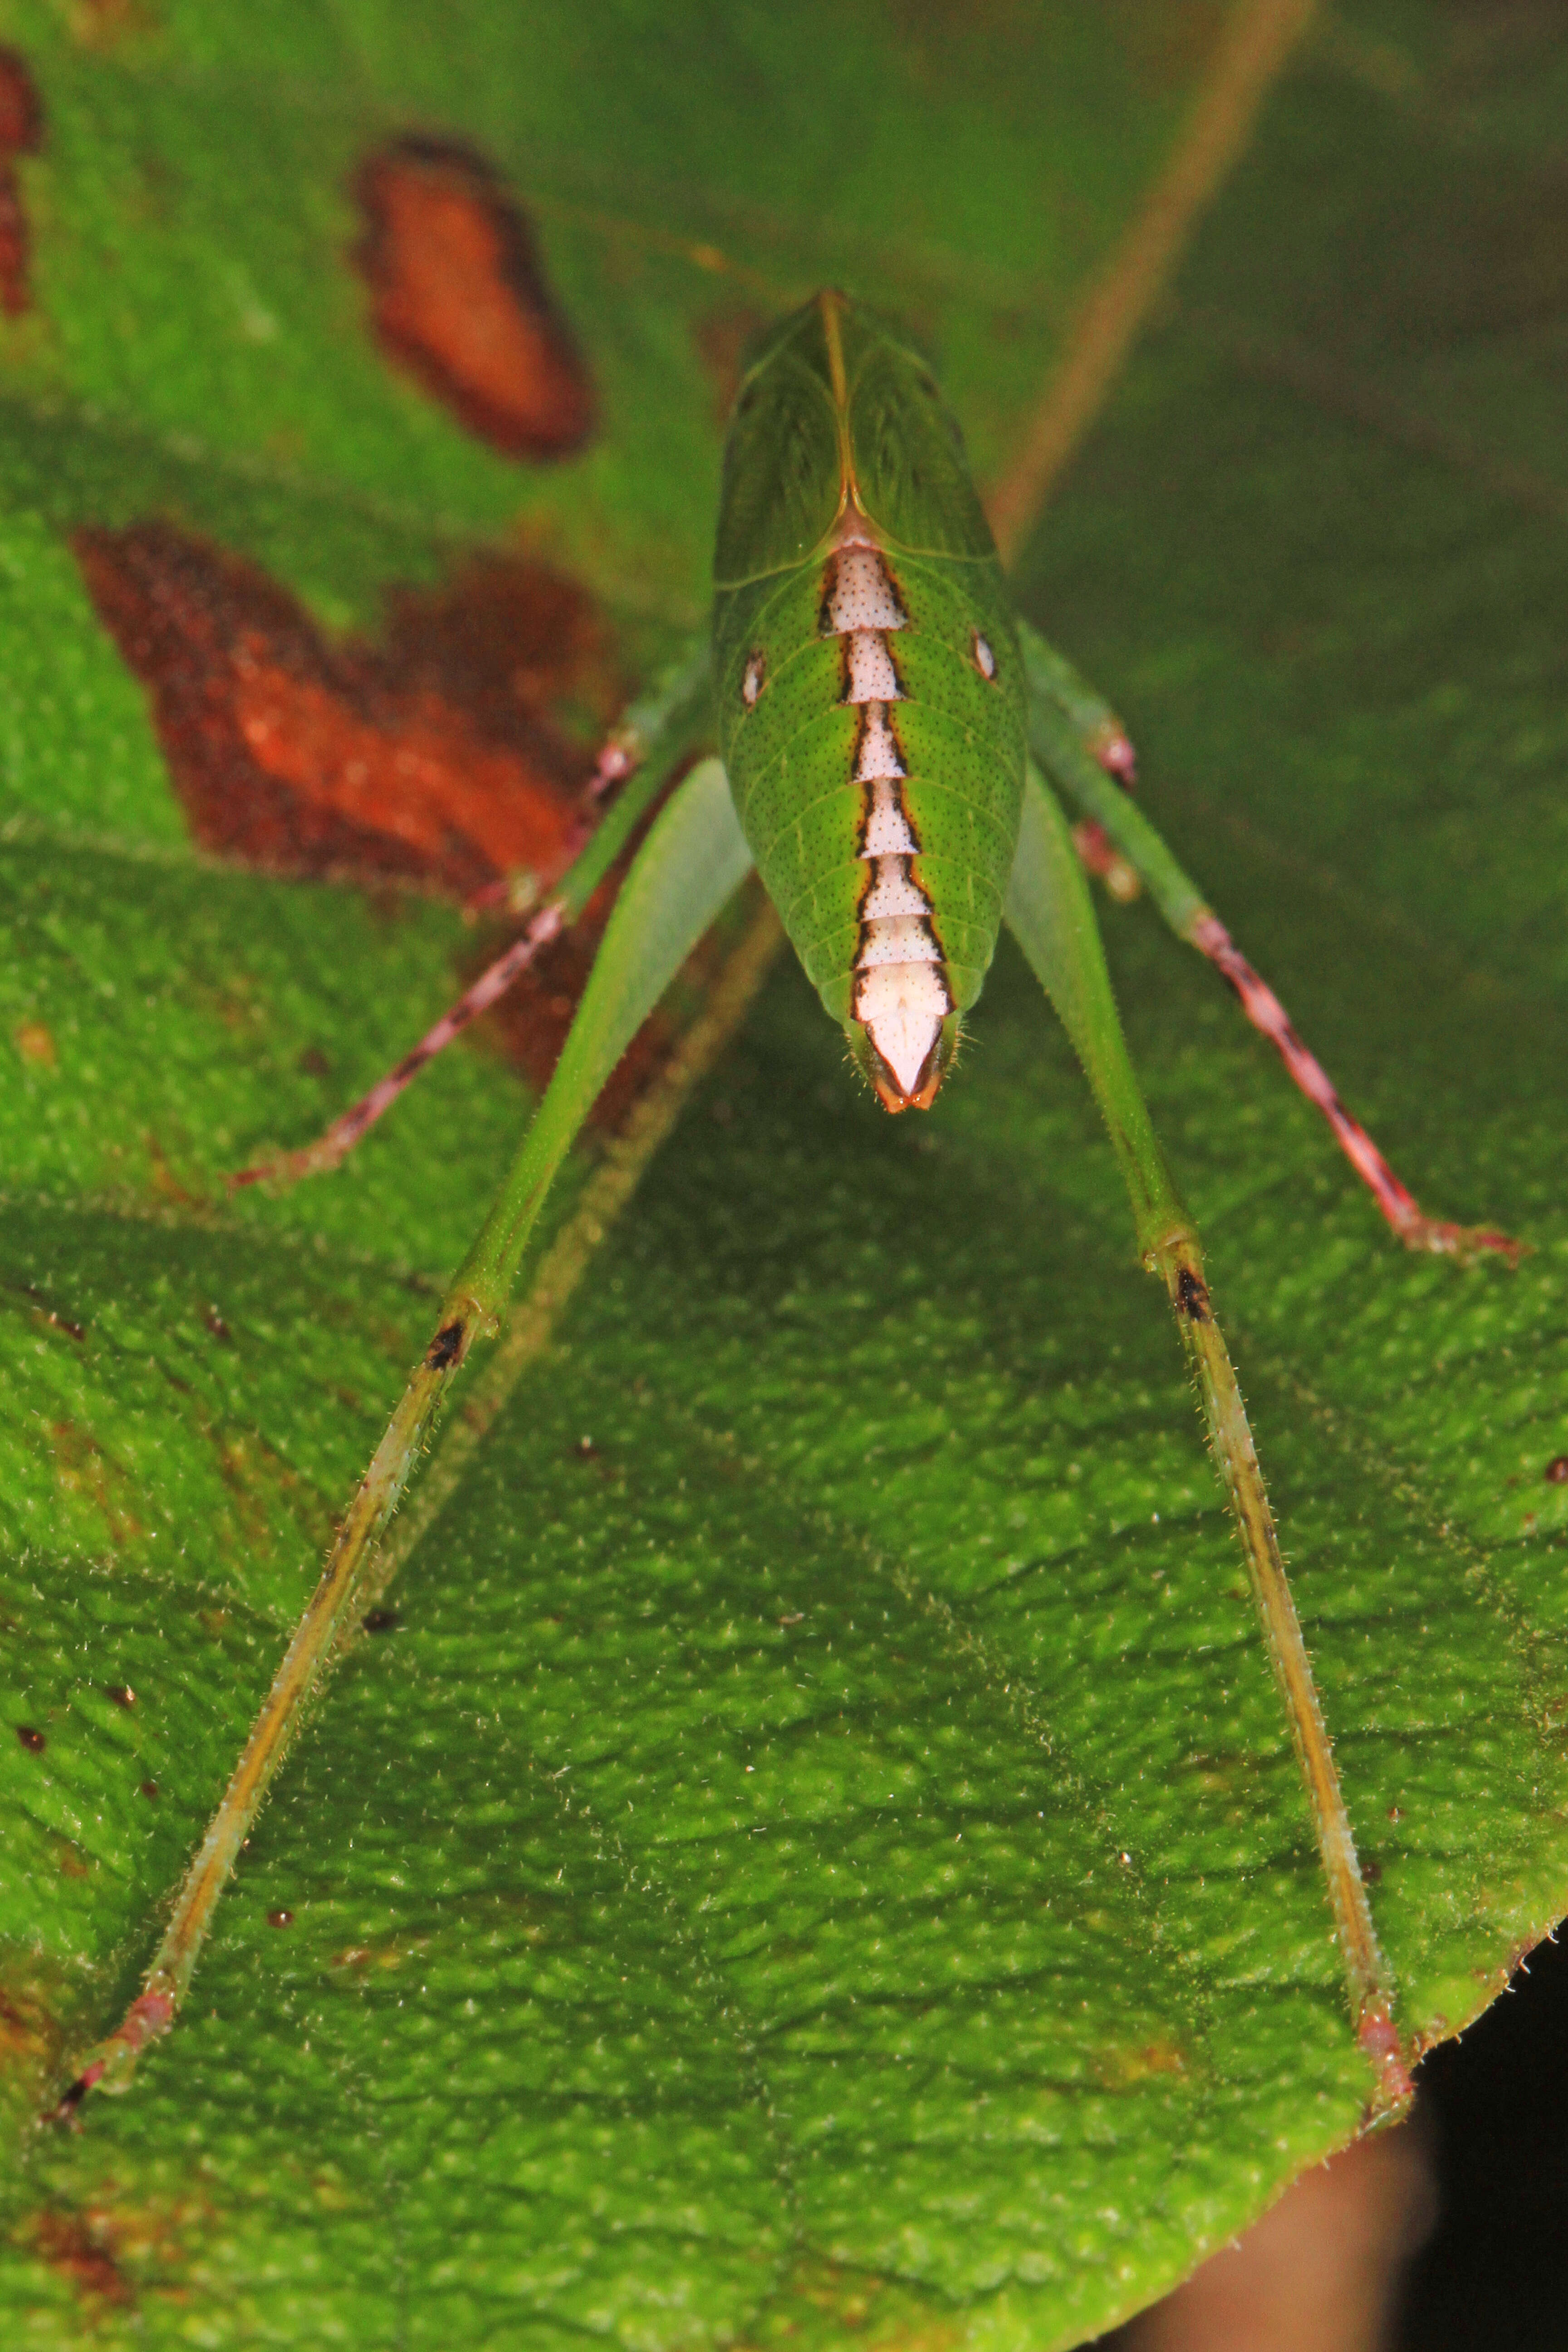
column 815, row 1851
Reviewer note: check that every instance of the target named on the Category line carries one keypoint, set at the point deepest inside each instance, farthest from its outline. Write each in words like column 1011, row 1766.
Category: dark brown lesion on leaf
column 428, row 756
column 78, row 2248
column 21, row 133
column 1191, row 1298
column 459, row 300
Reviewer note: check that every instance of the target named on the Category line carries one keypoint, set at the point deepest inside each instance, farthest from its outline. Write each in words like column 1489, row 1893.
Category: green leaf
column 821, row 1856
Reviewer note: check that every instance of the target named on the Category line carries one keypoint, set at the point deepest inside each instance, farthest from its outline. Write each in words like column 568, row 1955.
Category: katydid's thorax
column 871, row 710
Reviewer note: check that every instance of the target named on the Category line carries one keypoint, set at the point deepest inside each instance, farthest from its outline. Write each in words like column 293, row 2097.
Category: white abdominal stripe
column 901, row 995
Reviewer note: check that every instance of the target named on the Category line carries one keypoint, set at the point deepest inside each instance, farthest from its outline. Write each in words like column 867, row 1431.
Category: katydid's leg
column 1051, row 913
column 623, row 749
column 691, row 863
column 1101, row 859
column 1086, row 717
column 656, row 735
column 1069, row 758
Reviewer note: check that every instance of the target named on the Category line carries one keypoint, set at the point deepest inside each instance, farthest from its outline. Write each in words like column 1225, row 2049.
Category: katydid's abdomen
column 870, row 693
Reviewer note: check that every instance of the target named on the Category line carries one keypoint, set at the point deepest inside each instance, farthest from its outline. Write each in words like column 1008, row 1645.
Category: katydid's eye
column 984, row 660
column 756, row 678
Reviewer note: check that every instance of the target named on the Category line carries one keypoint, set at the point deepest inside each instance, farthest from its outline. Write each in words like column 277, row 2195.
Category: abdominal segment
column 902, row 996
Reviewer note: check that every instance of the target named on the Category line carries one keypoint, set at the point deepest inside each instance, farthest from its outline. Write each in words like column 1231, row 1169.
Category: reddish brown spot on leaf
column 120, row 1693
column 281, row 1918
column 149, row 1788
column 459, row 301
column 21, row 133
column 29, row 2023
column 429, row 756
column 68, row 2244
column 33, row 1741
column 35, row 1043
column 1557, row 1470
column 105, row 23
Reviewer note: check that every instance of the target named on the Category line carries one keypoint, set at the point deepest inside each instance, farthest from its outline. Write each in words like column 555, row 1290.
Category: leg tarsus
column 111, row 2064
column 1379, row 2042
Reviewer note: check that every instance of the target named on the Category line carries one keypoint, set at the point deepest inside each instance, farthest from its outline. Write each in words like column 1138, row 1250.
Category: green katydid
column 892, row 744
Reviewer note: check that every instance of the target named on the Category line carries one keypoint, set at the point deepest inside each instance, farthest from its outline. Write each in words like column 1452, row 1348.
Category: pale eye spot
column 756, row 678
column 985, row 659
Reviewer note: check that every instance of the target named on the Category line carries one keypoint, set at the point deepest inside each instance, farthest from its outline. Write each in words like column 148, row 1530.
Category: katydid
column 892, row 743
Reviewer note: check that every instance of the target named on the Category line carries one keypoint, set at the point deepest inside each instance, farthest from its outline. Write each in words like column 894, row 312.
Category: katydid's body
column 869, row 688
column 890, row 737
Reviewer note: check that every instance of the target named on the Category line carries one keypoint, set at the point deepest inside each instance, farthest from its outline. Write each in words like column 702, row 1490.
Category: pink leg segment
column 1100, row 857
column 316, row 1158
column 1266, row 1012
column 615, row 763
column 1117, row 757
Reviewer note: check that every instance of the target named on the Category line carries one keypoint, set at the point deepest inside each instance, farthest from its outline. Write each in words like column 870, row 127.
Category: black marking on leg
column 447, row 1347
column 1191, row 1298
column 64, row 2110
